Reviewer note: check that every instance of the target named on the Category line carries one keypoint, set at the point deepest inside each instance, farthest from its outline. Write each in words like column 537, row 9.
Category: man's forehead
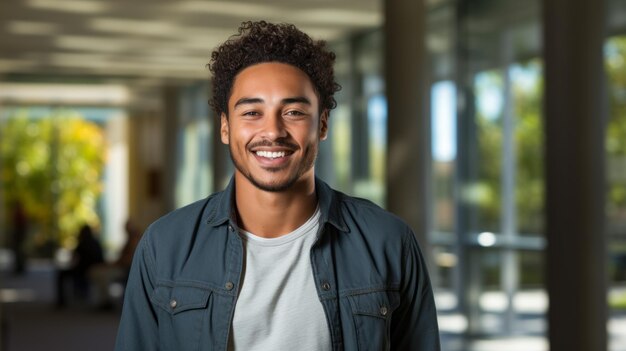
column 272, row 77
column 273, row 68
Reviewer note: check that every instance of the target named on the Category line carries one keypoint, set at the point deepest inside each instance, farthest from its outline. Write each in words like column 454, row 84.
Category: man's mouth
column 271, row 154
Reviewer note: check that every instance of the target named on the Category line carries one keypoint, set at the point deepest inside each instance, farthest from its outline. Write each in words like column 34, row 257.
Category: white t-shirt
column 278, row 307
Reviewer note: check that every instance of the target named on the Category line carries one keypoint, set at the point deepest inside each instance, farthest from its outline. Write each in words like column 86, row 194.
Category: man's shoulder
column 184, row 219
column 363, row 213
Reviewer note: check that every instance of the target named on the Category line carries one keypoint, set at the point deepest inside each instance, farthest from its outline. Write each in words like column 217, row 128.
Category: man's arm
column 414, row 324
column 138, row 328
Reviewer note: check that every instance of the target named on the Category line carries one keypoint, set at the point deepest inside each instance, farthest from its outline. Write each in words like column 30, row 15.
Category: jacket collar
column 224, row 210
column 328, row 200
column 330, row 205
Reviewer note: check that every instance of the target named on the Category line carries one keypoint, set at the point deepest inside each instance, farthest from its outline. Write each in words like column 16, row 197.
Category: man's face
column 274, row 125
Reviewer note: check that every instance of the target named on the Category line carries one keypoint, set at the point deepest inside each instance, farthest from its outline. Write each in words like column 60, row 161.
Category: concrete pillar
column 575, row 178
column 408, row 135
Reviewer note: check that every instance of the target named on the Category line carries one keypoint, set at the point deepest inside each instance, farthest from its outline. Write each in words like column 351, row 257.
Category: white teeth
column 269, row 154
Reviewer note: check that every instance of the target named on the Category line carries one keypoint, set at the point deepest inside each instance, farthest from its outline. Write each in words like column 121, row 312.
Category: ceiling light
column 31, row 28
column 134, row 66
column 337, row 17
column 15, row 65
column 236, row 9
column 73, row 6
column 128, row 26
column 75, row 42
column 64, row 93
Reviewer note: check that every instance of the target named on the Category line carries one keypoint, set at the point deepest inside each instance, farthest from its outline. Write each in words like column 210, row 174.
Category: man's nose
column 274, row 127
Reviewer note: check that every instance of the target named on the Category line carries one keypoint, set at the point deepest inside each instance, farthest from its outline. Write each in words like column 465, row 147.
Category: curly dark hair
column 259, row 42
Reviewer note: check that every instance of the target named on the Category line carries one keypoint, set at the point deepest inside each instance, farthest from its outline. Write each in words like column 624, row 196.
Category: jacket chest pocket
column 182, row 314
column 372, row 313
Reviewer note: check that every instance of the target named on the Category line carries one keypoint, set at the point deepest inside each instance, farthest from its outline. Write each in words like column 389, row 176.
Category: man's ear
column 324, row 125
column 224, row 131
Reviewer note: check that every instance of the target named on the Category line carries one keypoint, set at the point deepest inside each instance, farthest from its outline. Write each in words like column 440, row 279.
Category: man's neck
column 273, row 214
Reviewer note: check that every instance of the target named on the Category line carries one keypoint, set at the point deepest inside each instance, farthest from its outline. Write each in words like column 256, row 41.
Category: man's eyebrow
column 286, row 101
column 245, row 101
column 297, row 100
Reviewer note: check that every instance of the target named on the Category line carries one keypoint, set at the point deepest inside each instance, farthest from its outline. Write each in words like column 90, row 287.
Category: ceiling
column 153, row 39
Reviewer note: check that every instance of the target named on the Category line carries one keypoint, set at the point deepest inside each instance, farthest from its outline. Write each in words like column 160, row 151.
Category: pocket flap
column 376, row 304
column 180, row 298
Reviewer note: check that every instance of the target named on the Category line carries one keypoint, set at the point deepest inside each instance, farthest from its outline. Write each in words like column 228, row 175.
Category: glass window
column 484, row 192
column 56, row 162
column 358, row 126
column 369, row 118
column 487, row 193
column 443, row 135
column 615, row 65
column 194, row 177
column 527, row 92
column 334, row 161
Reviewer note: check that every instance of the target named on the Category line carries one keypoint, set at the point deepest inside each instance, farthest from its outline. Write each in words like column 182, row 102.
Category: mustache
column 276, row 143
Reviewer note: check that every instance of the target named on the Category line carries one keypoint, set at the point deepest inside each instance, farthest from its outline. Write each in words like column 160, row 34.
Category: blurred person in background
column 105, row 274
column 18, row 237
column 279, row 260
column 88, row 253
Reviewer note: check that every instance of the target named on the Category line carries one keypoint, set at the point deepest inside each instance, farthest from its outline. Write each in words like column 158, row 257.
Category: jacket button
column 230, row 227
column 383, row 311
column 173, row 304
column 325, row 286
column 229, row 286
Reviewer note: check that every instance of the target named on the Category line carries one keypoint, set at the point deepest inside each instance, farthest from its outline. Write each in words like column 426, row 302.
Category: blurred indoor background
column 459, row 115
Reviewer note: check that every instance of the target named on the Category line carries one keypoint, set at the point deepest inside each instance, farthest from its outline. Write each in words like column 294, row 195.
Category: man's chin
column 273, row 186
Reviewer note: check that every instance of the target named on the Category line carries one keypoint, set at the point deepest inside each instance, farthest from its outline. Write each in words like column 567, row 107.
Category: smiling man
column 278, row 260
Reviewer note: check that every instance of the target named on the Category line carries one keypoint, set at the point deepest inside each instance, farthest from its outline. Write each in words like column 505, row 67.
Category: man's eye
column 294, row 113
column 251, row 113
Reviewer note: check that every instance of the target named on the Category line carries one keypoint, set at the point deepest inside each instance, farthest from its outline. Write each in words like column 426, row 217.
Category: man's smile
column 272, row 158
column 270, row 154
column 265, row 151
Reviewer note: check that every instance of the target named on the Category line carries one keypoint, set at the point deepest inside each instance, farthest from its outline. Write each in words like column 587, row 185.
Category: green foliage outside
column 618, row 301
column 53, row 166
column 615, row 65
column 486, row 194
column 526, row 101
column 529, row 187
column 615, row 59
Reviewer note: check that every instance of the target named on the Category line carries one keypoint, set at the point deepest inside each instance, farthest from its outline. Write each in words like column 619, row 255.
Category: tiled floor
column 37, row 326
column 32, row 322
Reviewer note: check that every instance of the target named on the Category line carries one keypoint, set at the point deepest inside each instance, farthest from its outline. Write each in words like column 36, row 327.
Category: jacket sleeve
column 138, row 329
column 414, row 324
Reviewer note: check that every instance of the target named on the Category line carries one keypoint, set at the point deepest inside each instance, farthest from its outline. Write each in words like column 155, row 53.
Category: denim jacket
column 369, row 271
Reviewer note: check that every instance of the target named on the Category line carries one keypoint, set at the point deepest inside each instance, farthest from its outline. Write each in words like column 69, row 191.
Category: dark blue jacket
column 370, row 275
